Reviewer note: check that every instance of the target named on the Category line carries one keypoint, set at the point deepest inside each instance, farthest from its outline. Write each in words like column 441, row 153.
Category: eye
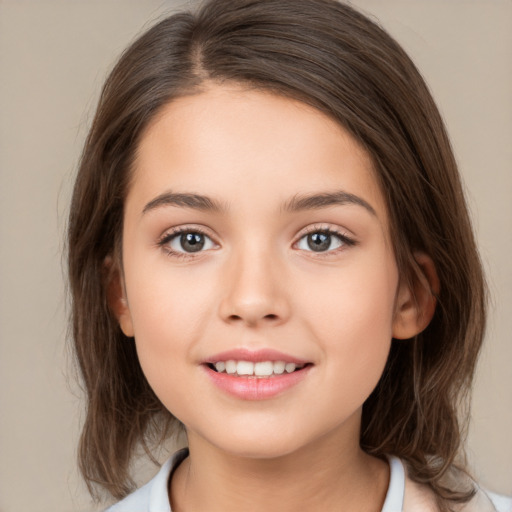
column 187, row 241
column 323, row 241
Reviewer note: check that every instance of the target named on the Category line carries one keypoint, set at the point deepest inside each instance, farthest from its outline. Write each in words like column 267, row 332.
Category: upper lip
column 245, row 354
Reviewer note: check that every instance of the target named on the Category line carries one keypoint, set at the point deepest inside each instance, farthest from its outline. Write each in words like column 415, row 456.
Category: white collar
column 154, row 497
column 394, row 501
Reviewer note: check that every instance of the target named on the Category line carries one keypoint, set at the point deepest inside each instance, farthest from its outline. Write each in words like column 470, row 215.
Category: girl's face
column 255, row 232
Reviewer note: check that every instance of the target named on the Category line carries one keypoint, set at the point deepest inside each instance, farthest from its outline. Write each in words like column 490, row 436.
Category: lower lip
column 256, row 388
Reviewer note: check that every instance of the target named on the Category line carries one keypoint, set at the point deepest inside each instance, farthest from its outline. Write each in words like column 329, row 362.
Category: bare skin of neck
column 331, row 474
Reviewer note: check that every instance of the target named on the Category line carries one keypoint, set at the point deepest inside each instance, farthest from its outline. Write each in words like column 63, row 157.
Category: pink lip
column 243, row 354
column 255, row 388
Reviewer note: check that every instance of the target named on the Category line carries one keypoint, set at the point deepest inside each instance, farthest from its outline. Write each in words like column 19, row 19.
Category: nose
column 255, row 290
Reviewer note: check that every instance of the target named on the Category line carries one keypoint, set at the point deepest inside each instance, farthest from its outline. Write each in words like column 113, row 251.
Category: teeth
column 290, row 367
column 279, row 367
column 220, row 366
column 259, row 369
column 245, row 368
column 231, row 366
column 263, row 369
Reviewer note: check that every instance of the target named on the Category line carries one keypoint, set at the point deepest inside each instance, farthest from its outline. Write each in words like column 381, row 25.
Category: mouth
column 256, row 375
column 258, row 369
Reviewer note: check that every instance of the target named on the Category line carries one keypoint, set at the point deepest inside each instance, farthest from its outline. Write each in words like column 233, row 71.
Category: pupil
column 192, row 242
column 319, row 241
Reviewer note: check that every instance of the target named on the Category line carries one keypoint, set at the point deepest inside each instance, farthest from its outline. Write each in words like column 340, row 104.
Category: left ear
column 416, row 301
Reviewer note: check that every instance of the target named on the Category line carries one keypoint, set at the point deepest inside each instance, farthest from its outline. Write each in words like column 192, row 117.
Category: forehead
column 249, row 148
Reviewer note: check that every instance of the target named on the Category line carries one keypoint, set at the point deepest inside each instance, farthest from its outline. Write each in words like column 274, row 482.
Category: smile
column 256, row 375
column 260, row 369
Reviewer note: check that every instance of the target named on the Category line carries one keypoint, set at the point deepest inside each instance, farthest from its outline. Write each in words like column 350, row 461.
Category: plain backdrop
column 54, row 56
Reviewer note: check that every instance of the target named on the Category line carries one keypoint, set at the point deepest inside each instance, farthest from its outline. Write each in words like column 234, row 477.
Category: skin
column 257, row 284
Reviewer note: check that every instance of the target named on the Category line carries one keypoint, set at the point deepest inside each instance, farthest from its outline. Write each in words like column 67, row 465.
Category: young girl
column 269, row 248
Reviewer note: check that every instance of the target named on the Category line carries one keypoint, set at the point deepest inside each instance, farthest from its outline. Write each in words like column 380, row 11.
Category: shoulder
column 153, row 496
column 420, row 498
column 137, row 501
column 485, row 500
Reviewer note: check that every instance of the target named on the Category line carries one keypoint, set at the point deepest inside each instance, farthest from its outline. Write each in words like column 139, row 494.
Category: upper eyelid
column 178, row 230
column 326, row 229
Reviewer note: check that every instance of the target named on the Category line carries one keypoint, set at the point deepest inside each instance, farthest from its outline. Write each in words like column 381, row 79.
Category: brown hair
column 328, row 55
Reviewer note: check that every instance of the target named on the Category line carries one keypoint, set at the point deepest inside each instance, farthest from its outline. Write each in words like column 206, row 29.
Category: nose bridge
column 253, row 291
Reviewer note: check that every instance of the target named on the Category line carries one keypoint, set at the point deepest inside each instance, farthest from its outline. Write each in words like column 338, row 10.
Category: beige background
column 54, row 56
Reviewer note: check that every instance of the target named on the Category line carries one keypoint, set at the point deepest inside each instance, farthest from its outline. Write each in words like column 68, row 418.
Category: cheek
column 165, row 299
column 352, row 320
column 360, row 297
column 169, row 315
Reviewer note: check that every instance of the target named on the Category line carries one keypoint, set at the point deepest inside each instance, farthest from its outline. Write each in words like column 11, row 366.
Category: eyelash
column 346, row 241
column 175, row 232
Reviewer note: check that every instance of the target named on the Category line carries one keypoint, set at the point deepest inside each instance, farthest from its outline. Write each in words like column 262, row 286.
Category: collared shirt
column 403, row 494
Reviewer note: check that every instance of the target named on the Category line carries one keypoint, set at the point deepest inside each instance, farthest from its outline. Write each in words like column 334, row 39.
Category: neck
column 327, row 476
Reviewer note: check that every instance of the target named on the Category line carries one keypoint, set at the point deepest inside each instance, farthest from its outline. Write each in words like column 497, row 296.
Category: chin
column 260, row 448
column 260, row 441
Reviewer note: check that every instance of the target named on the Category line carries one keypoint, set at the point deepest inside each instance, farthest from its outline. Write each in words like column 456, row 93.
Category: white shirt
column 403, row 494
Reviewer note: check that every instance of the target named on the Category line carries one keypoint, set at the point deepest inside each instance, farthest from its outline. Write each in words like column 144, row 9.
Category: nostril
column 271, row 316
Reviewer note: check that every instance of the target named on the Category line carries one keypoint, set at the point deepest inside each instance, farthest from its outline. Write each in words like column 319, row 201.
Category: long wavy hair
column 328, row 55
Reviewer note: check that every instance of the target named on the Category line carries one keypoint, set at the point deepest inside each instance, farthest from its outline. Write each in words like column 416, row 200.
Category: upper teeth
column 260, row 369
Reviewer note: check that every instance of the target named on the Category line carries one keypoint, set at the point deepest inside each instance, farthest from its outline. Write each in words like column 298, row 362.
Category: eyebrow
column 297, row 203
column 324, row 200
column 187, row 200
